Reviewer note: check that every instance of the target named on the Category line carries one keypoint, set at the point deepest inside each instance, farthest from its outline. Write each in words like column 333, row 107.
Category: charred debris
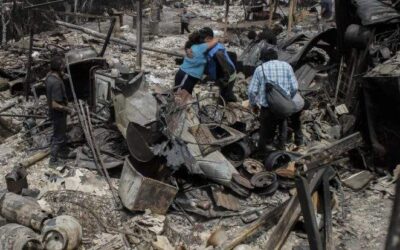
column 152, row 165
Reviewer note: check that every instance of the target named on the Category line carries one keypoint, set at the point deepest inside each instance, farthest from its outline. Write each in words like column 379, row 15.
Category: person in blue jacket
column 192, row 69
column 220, row 67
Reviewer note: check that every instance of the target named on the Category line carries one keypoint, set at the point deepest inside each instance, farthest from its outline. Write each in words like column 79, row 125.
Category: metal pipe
column 107, row 41
column 43, row 4
column 77, row 14
column 98, row 154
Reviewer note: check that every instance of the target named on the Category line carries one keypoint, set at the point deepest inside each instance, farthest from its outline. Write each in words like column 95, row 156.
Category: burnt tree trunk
column 4, row 23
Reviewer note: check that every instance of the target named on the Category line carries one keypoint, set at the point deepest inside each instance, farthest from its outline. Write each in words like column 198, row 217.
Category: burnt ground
column 361, row 219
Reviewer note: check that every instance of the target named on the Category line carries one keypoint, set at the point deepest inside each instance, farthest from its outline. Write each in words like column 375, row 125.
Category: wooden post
column 227, row 2
column 272, row 9
column 291, row 12
column 27, row 81
column 76, row 10
column 139, row 37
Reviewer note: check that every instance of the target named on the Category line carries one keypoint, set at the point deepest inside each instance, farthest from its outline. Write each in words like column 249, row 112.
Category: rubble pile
column 158, row 168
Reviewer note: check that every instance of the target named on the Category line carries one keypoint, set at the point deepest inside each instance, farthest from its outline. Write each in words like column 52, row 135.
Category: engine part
column 239, row 189
column 253, row 166
column 62, row 233
column 16, row 237
column 263, row 179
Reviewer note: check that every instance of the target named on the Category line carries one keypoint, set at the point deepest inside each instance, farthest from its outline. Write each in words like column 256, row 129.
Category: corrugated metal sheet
column 305, row 75
column 374, row 12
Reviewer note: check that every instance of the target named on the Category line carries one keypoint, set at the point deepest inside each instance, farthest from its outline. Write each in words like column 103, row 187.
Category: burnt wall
column 21, row 19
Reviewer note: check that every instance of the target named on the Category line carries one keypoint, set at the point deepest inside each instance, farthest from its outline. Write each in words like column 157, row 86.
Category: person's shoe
column 269, row 148
column 299, row 141
column 281, row 146
column 227, row 98
column 67, row 154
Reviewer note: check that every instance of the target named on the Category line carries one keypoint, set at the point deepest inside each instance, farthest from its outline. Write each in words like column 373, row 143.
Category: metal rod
column 139, row 33
column 98, row 153
column 44, row 4
column 339, row 80
column 107, row 41
column 26, row 116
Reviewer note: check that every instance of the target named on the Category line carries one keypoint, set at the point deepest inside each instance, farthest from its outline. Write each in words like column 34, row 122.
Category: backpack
column 280, row 103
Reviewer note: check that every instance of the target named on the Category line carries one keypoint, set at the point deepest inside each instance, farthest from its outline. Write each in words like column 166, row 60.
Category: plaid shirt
column 278, row 72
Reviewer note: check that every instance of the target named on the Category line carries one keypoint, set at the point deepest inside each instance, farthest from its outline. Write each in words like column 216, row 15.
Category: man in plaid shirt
column 280, row 73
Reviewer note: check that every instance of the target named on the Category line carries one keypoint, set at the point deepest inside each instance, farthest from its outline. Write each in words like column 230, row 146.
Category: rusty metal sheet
column 138, row 144
column 139, row 193
column 225, row 200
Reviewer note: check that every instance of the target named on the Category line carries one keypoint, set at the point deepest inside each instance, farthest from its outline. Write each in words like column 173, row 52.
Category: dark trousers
column 184, row 27
column 268, row 126
column 185, row 81
column 58, row 141
column 226, row 90
column 295, row 125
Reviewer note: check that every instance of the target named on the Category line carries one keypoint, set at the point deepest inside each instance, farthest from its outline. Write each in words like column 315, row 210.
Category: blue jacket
column 212, row 62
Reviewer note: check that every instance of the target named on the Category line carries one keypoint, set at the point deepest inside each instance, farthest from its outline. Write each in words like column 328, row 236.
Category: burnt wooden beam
column 392, row 241
column 266, row 220
column 312, row 160
column 334, row 150
column 83, row 15
column 115, row 40
column 290, row 216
